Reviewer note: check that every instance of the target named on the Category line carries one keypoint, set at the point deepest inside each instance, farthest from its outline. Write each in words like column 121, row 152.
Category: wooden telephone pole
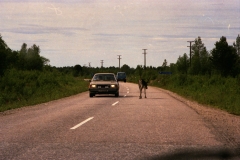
column 144, row 57
column 190, row 51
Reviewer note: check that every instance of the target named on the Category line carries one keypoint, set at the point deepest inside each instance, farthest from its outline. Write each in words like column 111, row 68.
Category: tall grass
column 21, row 88
column 216, row 91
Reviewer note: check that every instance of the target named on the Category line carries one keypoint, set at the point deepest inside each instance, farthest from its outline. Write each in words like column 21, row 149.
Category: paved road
column 106, row 127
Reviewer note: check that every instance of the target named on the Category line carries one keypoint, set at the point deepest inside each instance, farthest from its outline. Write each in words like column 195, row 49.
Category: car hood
column 104, row 82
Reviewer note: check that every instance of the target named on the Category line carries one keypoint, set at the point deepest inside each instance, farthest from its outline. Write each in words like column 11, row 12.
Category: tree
column 26, row 58
column 45, row 61
column 200, row 58
column 22, row 56
column 236, row 45
column 172, row 67
column 33, row 59
column 183, row 64
column 4, row 51
column 30, row 59
column 125, row 68
column 139, row 71
column 164, row 65
column 77, row 69
column 12, row 59
column 224, row 58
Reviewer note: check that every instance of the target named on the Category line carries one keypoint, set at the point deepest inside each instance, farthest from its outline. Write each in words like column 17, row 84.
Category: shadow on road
column 193, row 154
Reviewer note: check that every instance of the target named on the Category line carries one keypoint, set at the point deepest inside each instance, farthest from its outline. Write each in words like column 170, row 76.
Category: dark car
column 104, row 83
column 121, row 76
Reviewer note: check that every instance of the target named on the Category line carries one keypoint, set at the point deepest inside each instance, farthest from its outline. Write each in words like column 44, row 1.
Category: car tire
column 117, row 94
column 91, row 94
column 125, row 81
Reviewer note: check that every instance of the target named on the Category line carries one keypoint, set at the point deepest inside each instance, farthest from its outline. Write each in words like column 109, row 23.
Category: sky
column 85, row 32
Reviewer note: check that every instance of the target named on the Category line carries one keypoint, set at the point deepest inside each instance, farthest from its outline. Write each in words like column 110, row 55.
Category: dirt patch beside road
column 225, row 124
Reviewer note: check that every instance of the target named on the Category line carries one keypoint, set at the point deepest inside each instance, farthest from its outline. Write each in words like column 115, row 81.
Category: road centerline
column 115, row 103
column 83, row 122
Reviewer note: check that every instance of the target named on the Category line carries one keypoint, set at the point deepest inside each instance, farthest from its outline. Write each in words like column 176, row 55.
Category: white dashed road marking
column 115, row 103
column 78, row 125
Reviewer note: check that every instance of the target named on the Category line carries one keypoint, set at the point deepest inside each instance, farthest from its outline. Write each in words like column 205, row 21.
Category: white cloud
column 77, row 32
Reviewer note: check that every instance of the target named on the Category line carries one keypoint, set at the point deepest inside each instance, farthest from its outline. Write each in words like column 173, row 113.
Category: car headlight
column 113, row 85
column 93, row 86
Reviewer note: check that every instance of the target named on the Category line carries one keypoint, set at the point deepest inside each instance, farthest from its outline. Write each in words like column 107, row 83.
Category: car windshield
column 104, row 77
column 121, row 74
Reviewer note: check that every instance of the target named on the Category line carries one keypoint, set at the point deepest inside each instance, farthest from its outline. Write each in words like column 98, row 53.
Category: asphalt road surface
column 108, row 127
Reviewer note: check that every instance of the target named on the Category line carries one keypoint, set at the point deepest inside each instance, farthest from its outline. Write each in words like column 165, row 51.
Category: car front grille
column 103, row 86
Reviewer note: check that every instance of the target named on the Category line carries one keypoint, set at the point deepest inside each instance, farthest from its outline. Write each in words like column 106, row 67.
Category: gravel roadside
column 225, row 125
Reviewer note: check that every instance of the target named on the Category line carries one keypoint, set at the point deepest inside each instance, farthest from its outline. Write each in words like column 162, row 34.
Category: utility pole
column 119, row 60
column 102, row 63
column 144, row 57
column 190, row 51
column 89, row 64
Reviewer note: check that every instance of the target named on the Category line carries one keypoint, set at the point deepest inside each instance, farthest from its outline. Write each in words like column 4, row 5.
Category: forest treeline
column 26, row 76
column 223, row 59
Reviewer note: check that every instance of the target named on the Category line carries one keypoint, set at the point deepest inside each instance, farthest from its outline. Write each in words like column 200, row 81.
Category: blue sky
column 74, row 32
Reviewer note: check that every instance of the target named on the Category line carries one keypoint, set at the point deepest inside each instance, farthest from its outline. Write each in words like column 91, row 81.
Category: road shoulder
column 225, row 124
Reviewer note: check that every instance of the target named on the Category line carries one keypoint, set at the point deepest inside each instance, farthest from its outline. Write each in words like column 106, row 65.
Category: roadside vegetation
column 208, row 77
column 23, row 88
column 216, row 91
column 27, row 79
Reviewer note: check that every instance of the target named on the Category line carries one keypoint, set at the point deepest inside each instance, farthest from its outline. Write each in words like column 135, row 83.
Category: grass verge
column 24, row 88
column 215, row 91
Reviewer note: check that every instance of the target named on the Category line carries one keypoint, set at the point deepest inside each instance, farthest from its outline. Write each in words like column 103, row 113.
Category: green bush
column 213, row 90
column 20, row 88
